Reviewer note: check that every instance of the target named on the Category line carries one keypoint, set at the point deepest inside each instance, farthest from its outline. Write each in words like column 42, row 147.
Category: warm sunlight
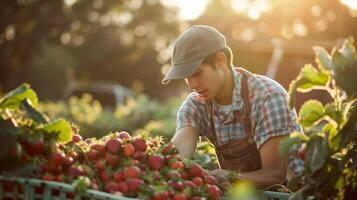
column 350, row 3
column 188, row 9
column 253, row 9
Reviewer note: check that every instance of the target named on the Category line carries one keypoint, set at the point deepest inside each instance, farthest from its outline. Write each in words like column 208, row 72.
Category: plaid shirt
column 270, row 115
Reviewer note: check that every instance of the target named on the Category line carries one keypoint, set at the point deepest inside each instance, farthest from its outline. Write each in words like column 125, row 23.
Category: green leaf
column 332, row 112
column 294, row 138
column 339, row 61
column 348, row 50
column 310, row 112
column 323, row 59
column 13, row 99
column 62, row 127
column 33, row 113
column 312, row 78
column 333, row 138
column 318, row 149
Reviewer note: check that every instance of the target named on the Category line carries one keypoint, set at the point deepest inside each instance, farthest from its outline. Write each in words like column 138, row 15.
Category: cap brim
column 183, row 70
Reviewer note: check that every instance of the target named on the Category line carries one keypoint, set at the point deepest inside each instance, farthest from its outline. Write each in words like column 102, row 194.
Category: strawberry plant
column 329, row 143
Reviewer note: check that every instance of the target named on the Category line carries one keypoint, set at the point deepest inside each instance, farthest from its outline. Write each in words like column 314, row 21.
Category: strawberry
column 213, row 191
column 197, row 181
column 139, row 155
column 88, row 140
column 184, row 175
column 99, row 165
column 118, row 176
column 128, row 149
column 196, row 170
column 76, row 138
column 35, row 148
column 190, row 184
column 57, row 158
column 113, row 145
column 111, row 187
column 169, row 149
column 68, row 161
column 74, row 171
column 99, row 147
column 210, row 180
column 156, row 162
column 73, row 154
column 177, row 185
column 124, row 135
column 104, row 176
column 112, row 160
column 172, row 174
column 92, row 155
column 123, row 187
column 48, row 177
column 179, row 196
column 177, row 165
column 140, row 144
column 132, row 172
column 163, row 195
column 134, row 184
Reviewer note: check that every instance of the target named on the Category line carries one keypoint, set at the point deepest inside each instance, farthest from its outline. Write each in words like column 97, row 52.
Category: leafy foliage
column 21, row 121
column 331, row 129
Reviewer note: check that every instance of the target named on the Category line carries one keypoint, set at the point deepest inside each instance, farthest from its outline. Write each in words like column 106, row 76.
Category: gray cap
column 191, row 48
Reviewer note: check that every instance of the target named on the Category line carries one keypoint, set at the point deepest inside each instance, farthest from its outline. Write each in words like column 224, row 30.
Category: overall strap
column 246, row 118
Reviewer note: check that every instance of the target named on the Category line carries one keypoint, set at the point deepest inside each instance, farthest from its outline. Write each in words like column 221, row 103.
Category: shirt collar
column 237, row 99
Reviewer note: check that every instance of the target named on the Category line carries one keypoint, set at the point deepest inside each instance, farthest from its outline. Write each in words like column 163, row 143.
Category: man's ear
column 221, row 59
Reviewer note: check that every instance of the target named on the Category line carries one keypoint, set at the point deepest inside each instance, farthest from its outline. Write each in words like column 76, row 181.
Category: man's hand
column 221, row 175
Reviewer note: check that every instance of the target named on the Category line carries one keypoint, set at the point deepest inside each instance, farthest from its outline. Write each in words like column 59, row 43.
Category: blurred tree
column 113, row 40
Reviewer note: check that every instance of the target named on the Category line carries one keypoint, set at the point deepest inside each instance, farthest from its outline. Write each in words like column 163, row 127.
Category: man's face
column 206, row 81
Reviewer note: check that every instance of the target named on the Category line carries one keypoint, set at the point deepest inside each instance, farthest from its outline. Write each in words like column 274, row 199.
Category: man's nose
column 192, row 82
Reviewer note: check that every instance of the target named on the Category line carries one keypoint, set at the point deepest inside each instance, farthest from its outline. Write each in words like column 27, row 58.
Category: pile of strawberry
column 140, row 167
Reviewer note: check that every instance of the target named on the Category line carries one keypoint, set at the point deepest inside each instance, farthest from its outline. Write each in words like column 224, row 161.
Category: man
column 245, row 116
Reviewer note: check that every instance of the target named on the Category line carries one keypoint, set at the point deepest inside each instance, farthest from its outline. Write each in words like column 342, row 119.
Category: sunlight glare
column 350, row 3
column 188, row 10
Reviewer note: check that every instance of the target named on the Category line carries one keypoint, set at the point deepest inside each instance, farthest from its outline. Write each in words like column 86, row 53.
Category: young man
column 245, row 116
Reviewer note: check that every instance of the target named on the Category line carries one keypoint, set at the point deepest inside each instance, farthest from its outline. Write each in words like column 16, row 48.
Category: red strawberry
column 99, row 147
column 184, row 175
column 179, row 196
column 177, row 165
column 140, row 144
column 123, row 187
column 76, row 138
column 213, row 191
column 163, row 195
column 134, row 184
column 139, row 155
column 196, row 170
column 118, row 176
column 35, row 148
column 190, row 184
column 57, row 158
column 173, row 174
column 104, row 176
column 112, row 160
column 73, row 154
column 92, row 155
column 111, row 187
column 113, row 145
column 128, row 149
column 177, row 185
column 74, row 171
column 169, row 149
column 156, row 162
column 48, row 177
column 197, row 181
column 68, row 161
column 124, row 135
column 210, row 180
column 132, row 172
column 99, row 165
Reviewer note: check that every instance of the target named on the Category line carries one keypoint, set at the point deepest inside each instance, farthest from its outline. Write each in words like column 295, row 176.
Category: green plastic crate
column 32, row 189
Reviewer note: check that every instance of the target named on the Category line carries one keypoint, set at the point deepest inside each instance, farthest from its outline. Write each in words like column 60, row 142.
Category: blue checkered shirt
column 270, row 115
